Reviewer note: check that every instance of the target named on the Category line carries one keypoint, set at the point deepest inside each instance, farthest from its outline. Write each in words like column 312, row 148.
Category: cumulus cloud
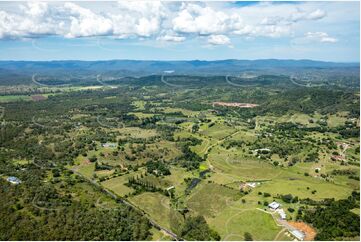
column 164, row 21
column 321, row 37
column 194, row 18
column 219, row 40
column 138, row 18
column 32, row 21
column 85, row 23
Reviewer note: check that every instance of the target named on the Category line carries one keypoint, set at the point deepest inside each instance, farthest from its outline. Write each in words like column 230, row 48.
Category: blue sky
column 179, row 30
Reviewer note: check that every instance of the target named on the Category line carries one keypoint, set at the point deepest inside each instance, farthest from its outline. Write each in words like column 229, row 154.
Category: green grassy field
column 209, row 199
column 233, row 164
column 14, row 98
column 217, row 131
column 233, row 223
column 158, row 207
column 117, row 184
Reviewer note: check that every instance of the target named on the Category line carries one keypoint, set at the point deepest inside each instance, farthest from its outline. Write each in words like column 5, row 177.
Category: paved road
column 122, row 200
column 292, row 79
column 237, row 85
column 169, row 84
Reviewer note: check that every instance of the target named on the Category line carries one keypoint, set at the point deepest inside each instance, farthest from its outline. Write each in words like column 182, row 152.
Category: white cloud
column 33, row 21
column 317, row 14
column 163, row 21
column 321, row 37
column 203, row 20
column 172, row 38
column 219, row 40
column 301, row 15
column 85, row 23
column 139, row 18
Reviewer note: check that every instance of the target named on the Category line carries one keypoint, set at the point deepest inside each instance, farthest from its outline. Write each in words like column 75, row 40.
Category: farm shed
column 298, row 234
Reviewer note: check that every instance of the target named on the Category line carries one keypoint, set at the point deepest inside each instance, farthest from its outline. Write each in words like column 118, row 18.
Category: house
column 298, row 234
column 274, row 205
column 282, row 213
column 13, row 180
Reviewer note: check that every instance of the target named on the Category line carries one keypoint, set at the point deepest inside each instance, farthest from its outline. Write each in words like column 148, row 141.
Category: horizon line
column 181, row 60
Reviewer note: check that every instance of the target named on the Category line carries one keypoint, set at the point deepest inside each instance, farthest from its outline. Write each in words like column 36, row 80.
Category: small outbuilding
column 274, row 205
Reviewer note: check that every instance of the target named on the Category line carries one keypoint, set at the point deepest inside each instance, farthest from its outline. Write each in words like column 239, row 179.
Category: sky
column 175, row 30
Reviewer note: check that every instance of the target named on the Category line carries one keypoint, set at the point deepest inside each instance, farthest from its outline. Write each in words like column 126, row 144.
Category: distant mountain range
column 140, row 67
column 72, row 71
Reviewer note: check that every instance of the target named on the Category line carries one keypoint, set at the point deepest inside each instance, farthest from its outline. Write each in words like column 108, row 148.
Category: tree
column 287, row 198
column 195, row 128
column 93, row 158
column 247, row 236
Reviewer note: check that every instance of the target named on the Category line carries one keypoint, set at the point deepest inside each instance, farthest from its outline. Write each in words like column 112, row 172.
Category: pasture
column 210, row 199
column 117, row 184
column 158, row 207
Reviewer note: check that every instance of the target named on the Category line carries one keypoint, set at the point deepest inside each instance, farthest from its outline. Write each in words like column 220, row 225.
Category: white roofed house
column 274, row 205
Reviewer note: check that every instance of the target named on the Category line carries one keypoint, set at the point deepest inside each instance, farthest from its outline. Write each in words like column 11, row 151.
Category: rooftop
column 274, row 205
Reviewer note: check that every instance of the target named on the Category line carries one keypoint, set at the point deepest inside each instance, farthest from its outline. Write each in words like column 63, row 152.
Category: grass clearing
column 232, row 224
column 14, row 98
column 296, row 184
column 209, row 199
column 157, row 206
column 117, row 184
column 217, row 131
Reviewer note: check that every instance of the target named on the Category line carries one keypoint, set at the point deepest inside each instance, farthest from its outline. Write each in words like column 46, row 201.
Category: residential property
column 298, row 234
column 13, row 180
column 274, row 205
